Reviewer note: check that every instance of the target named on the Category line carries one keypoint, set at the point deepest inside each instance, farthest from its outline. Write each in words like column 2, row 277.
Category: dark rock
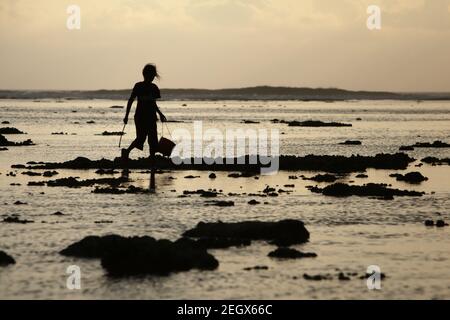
column 5, row 122
column 343, row 277
column 31, row 173
column 133, row 256
column 191, row 177
column 106, row 171
column 370, row 189
column 362, row 176
column 441, row 223
column 351, row 143
column 256, row 268
column 18, row 203
column 212, row 175
column 202, row 193
column 221, row 203
column 15, row 219
column 3, row 149
column 436, row 161
column 221, row 243
column 249, row 122
column 36, row 183
column 6, row 259
column 340, row 164
column 103, row 221
column 323, row 178
column 253, row 202
column 113, row 190
column 58, row 213
column 284, row 233
column 288, row 253
column 317, row 277
column 8, row 130
column 435, row 144
column 5, row 143
column 72, row 182
column 116, row 107
column 268, row 189
column 429, row 223
column 113, row 133
column 241, row 175
column 50, row 173
column 410, row 177
column 314, row 123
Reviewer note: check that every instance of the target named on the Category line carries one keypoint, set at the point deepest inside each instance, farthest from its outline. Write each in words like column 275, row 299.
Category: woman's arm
column 129, row 104
column 162, row 117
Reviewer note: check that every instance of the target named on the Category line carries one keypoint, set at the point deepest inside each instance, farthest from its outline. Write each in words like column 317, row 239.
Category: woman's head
column 150, row 72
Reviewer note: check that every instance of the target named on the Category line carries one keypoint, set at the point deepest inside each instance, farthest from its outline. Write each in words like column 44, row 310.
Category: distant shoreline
column 251, row 93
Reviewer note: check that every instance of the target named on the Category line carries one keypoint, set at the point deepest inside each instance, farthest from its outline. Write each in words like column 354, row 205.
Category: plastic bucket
column 165, row 146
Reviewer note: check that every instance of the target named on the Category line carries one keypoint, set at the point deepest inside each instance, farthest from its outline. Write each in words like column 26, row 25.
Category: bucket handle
column 162, row 129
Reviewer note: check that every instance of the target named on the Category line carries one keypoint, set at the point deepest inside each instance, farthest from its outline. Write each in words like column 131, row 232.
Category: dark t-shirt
column 146, row 93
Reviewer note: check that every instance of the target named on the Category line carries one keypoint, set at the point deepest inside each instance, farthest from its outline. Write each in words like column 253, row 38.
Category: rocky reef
column 281, row 233
column 134, row 256
column 367, row 190
column 328, row 163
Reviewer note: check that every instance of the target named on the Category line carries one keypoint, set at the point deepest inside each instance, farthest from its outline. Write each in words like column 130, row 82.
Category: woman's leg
column 139, row 141
column 153, row 142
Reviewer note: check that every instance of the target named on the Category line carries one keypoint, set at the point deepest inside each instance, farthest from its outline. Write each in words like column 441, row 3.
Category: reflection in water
column 152, row 183
column 125, row 173
column 152, row 186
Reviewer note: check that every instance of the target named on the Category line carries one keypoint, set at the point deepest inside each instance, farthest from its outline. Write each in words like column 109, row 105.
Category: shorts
column 146, row 128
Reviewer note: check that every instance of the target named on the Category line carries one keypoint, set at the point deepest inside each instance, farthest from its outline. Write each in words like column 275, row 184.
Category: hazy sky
column 226, row 43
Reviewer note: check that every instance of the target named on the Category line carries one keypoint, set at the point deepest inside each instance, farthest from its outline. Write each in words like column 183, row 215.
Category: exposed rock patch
column 312, row 123
column 6, row 259
column 8, row 130
column 16, row 219
column 288, row 253
column 351, row 143
column 134, row 256
column 436, row 161
column 283, row 233
column 410, row 177
column 368, row 190
column 6, row 143
column 342, row 164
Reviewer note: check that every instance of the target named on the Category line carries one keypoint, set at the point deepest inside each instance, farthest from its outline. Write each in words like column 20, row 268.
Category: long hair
column 150, row 71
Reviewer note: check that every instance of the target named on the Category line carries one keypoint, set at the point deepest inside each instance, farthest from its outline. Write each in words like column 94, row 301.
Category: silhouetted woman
column 145, row 117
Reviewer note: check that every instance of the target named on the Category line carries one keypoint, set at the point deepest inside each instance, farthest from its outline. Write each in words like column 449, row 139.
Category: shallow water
column 347, row 234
